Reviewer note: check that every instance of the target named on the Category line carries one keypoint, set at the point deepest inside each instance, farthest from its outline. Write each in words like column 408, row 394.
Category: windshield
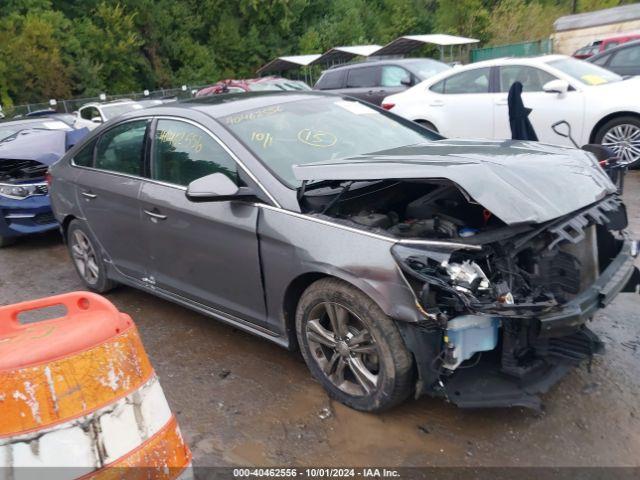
column 585, row 72
column 112, row 111
column 427, row 68
column 318, row 130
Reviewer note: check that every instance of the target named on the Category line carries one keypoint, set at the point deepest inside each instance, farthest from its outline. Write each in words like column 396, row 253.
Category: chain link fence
column 71, row 105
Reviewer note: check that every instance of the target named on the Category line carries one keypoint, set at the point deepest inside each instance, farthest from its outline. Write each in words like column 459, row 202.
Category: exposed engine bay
column 18, row 171
column 493, row 288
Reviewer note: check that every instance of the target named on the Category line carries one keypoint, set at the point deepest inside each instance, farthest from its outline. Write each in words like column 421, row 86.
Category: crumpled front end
column 506, row 317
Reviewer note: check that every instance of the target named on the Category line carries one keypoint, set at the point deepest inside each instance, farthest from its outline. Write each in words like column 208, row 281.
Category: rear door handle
column 501, row 101
column 154, row 215
column 89, row 195
column 437, row 103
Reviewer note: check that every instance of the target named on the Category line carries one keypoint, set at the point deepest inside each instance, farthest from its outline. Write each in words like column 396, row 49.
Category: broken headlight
column 22, row 191
column 466, row 276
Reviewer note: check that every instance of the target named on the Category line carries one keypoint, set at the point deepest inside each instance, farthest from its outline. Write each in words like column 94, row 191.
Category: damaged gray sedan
column 397, row 261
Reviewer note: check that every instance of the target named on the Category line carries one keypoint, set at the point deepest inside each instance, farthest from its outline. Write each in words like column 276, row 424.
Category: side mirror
column 406, row 82
column 556, row 86
column 96, row 120
column 216, row 187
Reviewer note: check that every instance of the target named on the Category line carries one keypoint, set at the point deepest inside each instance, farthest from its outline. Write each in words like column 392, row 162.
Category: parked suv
column 373, row 81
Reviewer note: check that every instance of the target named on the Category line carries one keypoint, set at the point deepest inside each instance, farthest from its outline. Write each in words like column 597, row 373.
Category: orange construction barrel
column 79, row 392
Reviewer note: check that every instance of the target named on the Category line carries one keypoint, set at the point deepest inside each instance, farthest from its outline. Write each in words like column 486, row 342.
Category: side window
column 438, row 87
column 532, row 79
column 362, row 77
column 471, row 81
column 393, row 76
column 331, row 80
column 89, row 112
column 121, row 149
column 626, row 57
column 183, row 152
column 602, row 60
column 84, row 158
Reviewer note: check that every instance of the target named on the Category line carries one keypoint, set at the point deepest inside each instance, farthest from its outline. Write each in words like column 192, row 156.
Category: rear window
column 331, row 80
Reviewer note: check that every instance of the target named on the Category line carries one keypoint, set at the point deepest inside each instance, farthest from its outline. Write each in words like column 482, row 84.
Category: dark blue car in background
column 25, row 156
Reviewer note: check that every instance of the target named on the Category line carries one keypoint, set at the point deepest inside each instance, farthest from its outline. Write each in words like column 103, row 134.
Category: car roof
column 224, row 104
column 537, row 60
column 390, row 61
column 613, row 50
column 107, row 104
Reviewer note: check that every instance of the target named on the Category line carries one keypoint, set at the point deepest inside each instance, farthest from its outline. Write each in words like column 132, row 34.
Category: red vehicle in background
column 605, row 44
column 253, row 85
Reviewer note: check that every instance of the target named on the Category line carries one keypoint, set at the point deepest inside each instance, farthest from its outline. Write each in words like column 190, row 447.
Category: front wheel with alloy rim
column 84, row 253
column 352, row 347
column 622, row 135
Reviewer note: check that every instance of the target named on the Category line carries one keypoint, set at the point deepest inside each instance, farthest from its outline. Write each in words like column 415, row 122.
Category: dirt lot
column 243, row 401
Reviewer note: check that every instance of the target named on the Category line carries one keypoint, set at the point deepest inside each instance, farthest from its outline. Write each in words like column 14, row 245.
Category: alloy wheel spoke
column 317, row 333
column 330, row 367
column 365, row 348
column 92, row 267
column 337, row 376
column 363, row 376
column 77, row 252
column 338, row 317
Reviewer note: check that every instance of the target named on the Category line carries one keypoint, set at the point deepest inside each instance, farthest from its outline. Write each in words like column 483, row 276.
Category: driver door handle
column 155, row 216
column 501, row 101
column 89, row 195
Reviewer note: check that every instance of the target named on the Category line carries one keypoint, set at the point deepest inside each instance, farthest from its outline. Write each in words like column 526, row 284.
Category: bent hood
column 516, row 181
column 44, row 146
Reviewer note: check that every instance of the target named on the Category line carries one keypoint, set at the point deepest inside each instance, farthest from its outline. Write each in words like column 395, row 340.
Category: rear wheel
column 622, row 135
column 84, row 253
column 352, row 347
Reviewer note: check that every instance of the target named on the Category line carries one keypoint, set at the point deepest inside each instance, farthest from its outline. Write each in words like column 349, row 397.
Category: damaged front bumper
column 557, row 341
column 620, row 275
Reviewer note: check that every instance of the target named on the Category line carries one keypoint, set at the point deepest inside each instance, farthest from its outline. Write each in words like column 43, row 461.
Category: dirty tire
column 427, row 125
column 6, row 241
column 394, row 362
column 102, row 283
column 630, row 158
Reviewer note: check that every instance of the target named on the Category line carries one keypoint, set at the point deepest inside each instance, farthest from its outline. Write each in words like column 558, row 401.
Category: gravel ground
column 241, row 400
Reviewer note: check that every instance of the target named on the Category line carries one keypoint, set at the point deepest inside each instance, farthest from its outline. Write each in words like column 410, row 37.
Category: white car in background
column 91, row 115
column 471, row 101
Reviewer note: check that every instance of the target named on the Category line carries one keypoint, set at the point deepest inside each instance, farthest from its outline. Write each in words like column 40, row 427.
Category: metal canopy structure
column 281, row 64
column 403, row 45
column 344, row 54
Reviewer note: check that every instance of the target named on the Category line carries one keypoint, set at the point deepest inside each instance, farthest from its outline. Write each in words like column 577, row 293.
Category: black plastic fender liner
column 425, row 344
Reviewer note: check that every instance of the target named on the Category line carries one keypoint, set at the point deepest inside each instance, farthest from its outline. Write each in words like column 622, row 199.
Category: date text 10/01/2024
column 316, row 472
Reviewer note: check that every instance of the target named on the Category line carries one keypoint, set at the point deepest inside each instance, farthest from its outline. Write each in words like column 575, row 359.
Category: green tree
column 468, row 18
column 107, row 46
column 32, row 67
